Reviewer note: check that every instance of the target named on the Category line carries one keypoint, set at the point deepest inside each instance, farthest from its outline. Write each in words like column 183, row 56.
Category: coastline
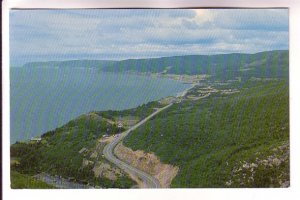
column 60, row 182
column 182, row 94
column 153, row 75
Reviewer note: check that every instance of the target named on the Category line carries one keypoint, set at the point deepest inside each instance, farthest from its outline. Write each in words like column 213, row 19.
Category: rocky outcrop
column 265, row 171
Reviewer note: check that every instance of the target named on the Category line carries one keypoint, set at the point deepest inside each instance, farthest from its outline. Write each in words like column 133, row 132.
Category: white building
column 35, row 139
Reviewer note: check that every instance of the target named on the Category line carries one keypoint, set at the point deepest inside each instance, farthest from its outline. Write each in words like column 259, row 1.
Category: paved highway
column 149, row 181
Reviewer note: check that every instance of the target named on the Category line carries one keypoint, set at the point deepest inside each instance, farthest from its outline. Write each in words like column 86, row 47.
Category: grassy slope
column 58, row 153
column 208, row 138
column 21, row 181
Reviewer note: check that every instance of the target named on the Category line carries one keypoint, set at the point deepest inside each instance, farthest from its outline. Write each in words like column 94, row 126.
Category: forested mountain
column 238, row 140
column 223, row 66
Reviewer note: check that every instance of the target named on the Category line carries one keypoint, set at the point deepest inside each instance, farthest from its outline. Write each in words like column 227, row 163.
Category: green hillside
column 212, row 139
column 20, row 181
column 63, row 151
column 219, row 67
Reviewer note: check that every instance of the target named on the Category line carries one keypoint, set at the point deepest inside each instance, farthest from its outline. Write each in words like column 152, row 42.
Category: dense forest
column 208, row 139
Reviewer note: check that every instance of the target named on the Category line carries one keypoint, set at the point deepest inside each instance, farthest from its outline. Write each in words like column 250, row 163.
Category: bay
column 42, row 99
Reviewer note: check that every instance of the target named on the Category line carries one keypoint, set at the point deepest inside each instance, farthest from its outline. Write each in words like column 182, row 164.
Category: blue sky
column 112, row 34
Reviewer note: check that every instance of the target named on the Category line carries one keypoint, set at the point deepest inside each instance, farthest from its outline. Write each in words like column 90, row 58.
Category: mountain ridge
column 266, row 64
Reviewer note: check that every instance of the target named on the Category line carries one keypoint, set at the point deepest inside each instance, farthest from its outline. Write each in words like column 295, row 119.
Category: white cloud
column 120, row 34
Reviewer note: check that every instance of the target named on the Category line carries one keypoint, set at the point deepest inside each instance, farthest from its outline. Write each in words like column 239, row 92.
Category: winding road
column 149, row 181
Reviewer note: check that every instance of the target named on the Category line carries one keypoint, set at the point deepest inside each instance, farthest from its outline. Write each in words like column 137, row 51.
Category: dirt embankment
column 100, row 167
column 148, row 162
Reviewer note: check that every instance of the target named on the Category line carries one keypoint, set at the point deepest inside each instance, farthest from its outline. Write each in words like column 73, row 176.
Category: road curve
column 150, row 181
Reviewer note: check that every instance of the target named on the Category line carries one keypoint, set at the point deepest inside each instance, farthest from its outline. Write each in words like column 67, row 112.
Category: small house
column 36, row 139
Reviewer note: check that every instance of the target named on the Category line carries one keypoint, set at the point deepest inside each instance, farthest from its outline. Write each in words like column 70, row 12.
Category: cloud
column 134, row 33
column 252, row 19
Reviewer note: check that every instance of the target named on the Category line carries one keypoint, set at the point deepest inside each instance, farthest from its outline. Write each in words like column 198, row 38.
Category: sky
column 117, row 34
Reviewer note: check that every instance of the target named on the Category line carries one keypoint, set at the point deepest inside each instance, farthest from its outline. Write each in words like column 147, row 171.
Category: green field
column 210, row 138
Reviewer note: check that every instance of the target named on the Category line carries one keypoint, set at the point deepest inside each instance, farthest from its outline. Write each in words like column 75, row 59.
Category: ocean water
column 44, row 99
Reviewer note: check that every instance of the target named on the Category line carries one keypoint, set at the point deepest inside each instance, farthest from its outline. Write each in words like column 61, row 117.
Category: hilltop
column 219, row 67
column 72, row 152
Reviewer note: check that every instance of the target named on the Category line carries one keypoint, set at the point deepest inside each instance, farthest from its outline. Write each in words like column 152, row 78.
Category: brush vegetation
column 21, row 181
column 58, row 153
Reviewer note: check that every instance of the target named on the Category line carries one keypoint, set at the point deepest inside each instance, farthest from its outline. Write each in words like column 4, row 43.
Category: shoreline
column 60, row 182
column 182, row 94
column 153, row 75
